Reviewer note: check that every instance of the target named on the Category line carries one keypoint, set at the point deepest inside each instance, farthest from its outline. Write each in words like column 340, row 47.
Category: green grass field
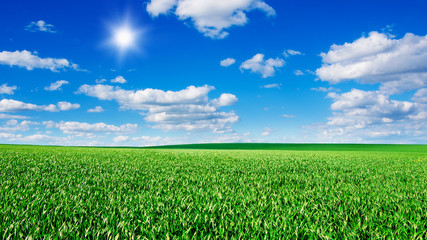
column 298, row 192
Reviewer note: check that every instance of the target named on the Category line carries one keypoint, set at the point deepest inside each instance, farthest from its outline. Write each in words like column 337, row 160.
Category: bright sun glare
column 124, row 37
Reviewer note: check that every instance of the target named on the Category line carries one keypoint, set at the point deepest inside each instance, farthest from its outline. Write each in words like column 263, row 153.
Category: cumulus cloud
column 120, row 138
column 97, row 109
column 14, row 125
column 226, row 99
column 56, row 85
column 266, row 68
column 227, row 62
column 188, row 109
column 210, row 17
column 362, row 114
column 10, row 105
column 66, row 106
column 398, row 64
column 40, row 26
column 31, row 61
column 4, row 89
column 119, row 79
column 82, row 128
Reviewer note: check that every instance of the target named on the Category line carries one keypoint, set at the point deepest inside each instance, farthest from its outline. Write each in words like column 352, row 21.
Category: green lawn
column 379, row 191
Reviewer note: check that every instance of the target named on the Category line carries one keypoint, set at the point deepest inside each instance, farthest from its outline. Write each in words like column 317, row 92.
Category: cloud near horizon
column 189, row 109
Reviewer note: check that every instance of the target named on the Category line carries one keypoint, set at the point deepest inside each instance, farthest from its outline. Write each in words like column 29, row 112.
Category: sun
column 124, row 37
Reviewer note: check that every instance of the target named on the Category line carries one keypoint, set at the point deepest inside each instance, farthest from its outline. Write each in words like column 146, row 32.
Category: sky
column 157, row 72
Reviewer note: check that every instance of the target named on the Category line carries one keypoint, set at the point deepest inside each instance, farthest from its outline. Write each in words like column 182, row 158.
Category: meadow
column 346, row 192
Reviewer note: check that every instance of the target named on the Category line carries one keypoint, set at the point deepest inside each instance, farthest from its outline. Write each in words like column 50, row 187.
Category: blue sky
column 187, row 71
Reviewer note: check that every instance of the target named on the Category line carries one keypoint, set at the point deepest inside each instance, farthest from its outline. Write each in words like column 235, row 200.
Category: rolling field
column 151, row 193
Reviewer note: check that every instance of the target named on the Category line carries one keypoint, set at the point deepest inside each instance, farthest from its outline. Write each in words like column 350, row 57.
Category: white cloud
column 31, row 138
column 370, row 103
column 66, row 106
column 97, row 109
column 398, row 64
column 266, row 68
column 420, row 96
column 210, row 17
column 4, row 89
column 13, row 125
column 12, row 116
column 291, row 52
column 102, row 80
column 226, row 99
column 56, row 85
column 323, row 89
column 360, row 115
column 227, row 62
column 188, row 109
column 288, row 116
column 41, row 26
column 82, row 128
column 272, row 85
column 155, row 141
column 120, row 138
column 298, row 73
column 119, row 79
column 30, row 61
column 10, row 105
column 267, row 132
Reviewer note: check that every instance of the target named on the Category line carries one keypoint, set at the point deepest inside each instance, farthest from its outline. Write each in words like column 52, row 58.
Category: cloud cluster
column 41, row 26
column 82, row 128
column 398, row 64
column 35, row 138
column 14, row 125
column 4, row 89
column 210, row 17
column 266, row 68
column 31, row 61
column 56, row 85
column 10, row 105
column 188, row 109
column 372, row 114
